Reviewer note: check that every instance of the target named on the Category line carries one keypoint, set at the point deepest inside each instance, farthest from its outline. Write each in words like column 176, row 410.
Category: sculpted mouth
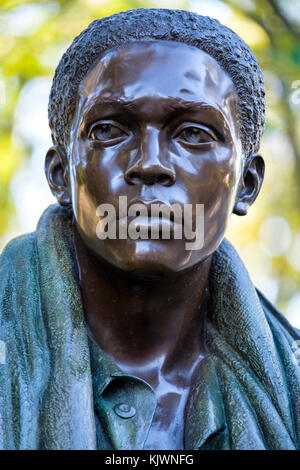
column 166, row 209
column 149, row 225
column 153, row 224
column 150, row 219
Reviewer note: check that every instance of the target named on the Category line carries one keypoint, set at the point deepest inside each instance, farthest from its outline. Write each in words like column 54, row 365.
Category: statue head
column 160, row 106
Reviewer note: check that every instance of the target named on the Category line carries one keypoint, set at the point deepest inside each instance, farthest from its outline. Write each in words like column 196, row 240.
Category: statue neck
column 149, row 326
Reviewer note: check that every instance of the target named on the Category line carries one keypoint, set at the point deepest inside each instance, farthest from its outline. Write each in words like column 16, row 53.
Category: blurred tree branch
column 279, row 12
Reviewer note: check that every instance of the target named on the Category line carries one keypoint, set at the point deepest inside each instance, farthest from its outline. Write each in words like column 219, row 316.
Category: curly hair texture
column 203, row 32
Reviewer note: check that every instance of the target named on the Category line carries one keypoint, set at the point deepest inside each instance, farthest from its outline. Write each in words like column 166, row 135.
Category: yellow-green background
column 33, row 36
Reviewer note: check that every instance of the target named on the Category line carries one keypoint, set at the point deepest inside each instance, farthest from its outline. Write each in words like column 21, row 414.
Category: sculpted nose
column 148, row 167
column 150, row 174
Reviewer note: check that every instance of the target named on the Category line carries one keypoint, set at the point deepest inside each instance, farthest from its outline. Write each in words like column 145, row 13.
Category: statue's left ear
column 250, row 184
column 57, row 174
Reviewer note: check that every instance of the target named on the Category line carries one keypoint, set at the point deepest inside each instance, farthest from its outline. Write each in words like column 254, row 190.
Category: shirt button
column 123, row 410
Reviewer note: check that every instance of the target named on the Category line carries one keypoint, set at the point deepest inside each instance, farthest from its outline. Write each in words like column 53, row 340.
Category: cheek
column 214, row 183
column 220, row 196
column 83, row 202
column 96, row 172
column 220, row 189
column 84, row 186
column 213, row 175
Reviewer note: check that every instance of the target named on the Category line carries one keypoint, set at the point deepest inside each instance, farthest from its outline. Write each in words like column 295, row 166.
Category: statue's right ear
column 57, row 174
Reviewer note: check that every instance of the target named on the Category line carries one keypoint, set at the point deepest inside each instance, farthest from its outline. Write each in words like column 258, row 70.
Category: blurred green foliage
column 34, row 34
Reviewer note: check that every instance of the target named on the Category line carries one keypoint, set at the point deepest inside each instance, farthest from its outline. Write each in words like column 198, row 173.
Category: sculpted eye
column 107, row 133
column 193, row 135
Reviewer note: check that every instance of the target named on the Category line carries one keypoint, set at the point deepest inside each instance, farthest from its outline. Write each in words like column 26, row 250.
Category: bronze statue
column 142, row 343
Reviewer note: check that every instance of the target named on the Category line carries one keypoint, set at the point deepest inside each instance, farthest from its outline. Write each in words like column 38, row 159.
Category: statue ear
column 57, row 174
column 250, row 183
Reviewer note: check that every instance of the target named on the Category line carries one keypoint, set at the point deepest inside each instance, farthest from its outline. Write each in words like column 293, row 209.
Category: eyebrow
column 177, row 105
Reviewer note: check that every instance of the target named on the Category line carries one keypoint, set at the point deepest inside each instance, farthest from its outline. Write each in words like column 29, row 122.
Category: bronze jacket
column 58, row 390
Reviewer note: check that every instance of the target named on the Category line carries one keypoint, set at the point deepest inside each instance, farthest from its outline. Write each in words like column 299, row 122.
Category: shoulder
column 18, row 276
column 24, row 365
column 17, row 251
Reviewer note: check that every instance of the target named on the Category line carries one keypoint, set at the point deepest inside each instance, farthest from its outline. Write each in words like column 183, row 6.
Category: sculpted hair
column 225, row 46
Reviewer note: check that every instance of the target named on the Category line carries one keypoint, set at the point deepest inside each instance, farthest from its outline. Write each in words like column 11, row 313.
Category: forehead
column 159, row 69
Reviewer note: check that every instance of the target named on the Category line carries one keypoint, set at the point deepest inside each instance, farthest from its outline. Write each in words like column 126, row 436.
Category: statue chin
column 148, row 258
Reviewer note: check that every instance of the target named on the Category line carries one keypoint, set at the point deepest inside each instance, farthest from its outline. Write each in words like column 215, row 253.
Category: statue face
column 156, row 122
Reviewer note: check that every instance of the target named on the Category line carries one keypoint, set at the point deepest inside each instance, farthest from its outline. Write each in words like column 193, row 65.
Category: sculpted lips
column 144, row 219
column 150, row 225
column 152, row 218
